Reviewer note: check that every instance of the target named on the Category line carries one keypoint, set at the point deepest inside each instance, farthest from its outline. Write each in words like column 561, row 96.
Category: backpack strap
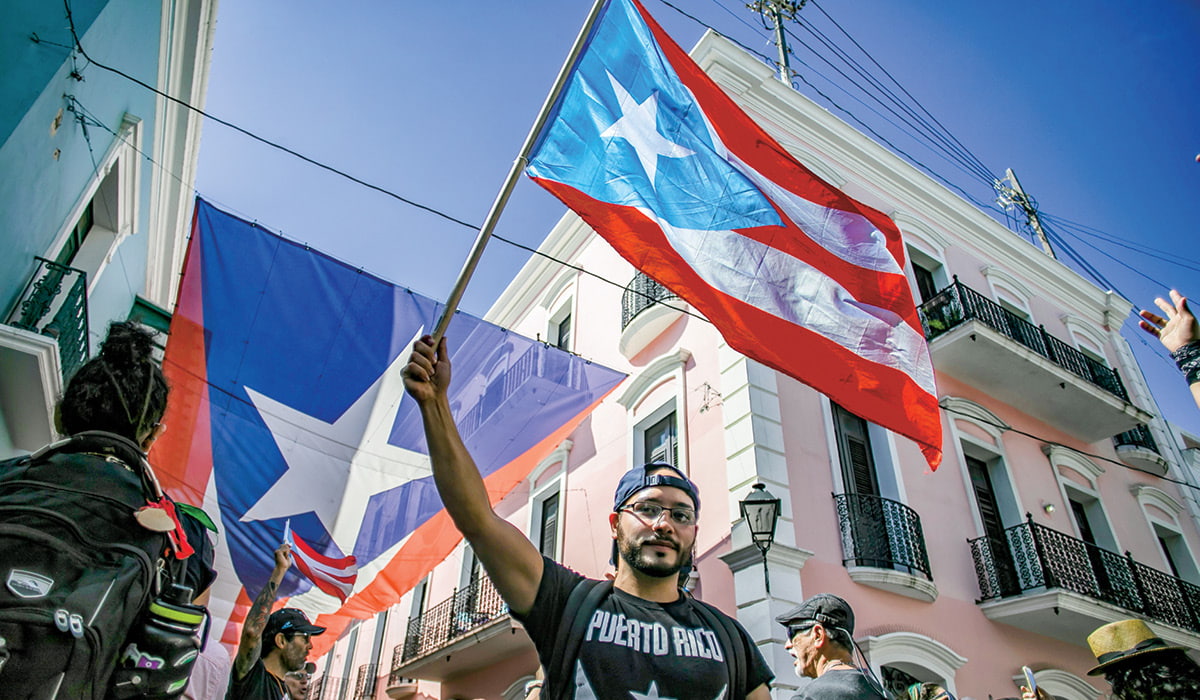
column 731, row 643
column 581, row 603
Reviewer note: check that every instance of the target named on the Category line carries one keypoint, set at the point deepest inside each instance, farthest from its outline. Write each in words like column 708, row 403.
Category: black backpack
column 583, row 601
column 76, row 568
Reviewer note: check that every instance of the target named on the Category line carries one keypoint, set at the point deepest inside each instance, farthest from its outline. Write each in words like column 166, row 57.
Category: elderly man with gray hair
column 820, row 640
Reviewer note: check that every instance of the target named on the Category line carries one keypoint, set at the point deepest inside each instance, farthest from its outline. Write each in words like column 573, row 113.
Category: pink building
column 1048, row 517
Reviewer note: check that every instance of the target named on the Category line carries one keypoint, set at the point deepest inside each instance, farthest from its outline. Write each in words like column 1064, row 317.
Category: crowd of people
column 637, row 633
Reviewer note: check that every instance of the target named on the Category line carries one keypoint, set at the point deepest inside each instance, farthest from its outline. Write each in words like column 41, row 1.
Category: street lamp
column 761, row 511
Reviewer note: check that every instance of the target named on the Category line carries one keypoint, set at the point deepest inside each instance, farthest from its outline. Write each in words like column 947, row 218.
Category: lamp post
column 761, row 511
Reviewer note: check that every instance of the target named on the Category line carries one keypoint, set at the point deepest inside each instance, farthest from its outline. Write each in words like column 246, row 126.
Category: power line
column 898, row 84
column 377, row 188
column 1048, row 441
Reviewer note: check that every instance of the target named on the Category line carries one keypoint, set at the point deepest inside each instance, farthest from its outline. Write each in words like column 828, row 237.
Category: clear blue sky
column 1095, row 105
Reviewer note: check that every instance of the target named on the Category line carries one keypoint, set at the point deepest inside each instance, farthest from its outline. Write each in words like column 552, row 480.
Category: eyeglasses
column 794, row 630
column 651, row 512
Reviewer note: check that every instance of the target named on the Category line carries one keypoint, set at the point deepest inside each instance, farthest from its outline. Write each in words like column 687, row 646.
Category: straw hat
column 1123, row 640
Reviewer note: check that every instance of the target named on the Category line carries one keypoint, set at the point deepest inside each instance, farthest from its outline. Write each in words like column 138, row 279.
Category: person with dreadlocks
column 88, row 539
column 1138, row 664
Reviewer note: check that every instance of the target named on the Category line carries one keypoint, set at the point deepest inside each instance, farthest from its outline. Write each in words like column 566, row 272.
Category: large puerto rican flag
column 795, row 274
column 288, row 420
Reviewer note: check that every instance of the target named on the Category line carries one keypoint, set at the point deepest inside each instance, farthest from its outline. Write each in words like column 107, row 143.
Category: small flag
column 335, row 576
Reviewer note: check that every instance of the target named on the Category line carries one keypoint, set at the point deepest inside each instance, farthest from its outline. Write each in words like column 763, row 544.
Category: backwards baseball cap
column 825, row 608
column 290, row 621
column 640, row 478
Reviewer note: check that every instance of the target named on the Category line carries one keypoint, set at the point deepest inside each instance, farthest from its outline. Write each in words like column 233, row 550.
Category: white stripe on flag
column 794, row 291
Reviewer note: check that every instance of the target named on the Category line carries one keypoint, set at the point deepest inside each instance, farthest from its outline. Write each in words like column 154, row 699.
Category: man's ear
column 820, row 635
column 613, row 517
column 280, row 640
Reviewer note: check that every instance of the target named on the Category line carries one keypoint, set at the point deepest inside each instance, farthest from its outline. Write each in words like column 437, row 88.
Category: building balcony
column 644, row 316
column 980, row 342
column 43, row 341
column 328, row 688
column 366, row 682
column 469, row 631
column 883, row 545
column 1138, row 449
column 399, row 687
column 1047, row 582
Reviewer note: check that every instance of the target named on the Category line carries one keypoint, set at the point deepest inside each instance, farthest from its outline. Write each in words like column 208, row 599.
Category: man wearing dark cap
column 646, row 639
column 820, row 638
column 285, row 634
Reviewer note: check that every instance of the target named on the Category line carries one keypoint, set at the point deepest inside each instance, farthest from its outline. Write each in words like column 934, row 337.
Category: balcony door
column 1087, row 532
column 988, row 508
column 860, row 481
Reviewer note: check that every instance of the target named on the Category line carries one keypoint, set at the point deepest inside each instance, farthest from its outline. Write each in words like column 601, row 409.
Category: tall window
column 660, row 441
column 548, row 526
column 562, row 333
column 854, row 449
column 988, row 507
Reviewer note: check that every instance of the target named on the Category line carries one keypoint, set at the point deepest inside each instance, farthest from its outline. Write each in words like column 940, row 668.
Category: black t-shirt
column 257, row 684
column 635, row 648
column 842, row 684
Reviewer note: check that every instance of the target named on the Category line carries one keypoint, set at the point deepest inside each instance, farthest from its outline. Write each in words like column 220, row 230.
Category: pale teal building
column 96, row 183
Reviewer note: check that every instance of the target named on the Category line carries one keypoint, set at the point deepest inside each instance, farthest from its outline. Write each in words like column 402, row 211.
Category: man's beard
column 649, row 564
column 294, row 660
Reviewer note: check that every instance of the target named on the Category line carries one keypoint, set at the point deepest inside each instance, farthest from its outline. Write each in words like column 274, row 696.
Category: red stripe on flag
column 882, row 394
column 183, row 455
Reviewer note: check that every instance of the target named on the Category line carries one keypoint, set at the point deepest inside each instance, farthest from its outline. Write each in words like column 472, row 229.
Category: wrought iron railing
column 54, row 303
column 394, row 677
column 640, row 294
column 959, row 303
column 539, row 361
column 466, row 610
column 328, row 688
column 1139, row 436
column 364, row 686
column 1035, row 557
column 881, row 533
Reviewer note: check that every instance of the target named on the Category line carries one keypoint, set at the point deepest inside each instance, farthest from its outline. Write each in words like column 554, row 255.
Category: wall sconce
column 1048, row 507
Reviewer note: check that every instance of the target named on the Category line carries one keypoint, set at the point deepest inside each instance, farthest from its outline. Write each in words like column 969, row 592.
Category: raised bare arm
column 250, row 645
column 511, row 560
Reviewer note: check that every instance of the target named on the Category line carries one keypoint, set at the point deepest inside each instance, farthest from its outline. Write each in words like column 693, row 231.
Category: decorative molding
column 1060, row 684
column 997, row 276
column 1152, row 496
column 912, row 227
column 976, row 414
column 650, row 375
column 779, row 555
column 558, row 456
column 1079, row 328
column 910, row 648
column 1065, row 457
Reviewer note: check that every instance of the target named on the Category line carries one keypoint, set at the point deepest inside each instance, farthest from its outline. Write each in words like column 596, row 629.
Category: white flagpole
column 514, row 174
column 287, row 531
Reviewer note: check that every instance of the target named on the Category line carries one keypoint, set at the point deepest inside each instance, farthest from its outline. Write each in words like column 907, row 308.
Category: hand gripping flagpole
column 514, row 174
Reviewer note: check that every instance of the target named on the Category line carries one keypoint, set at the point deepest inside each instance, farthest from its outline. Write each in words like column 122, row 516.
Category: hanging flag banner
column 795, row 274
column 288, row 420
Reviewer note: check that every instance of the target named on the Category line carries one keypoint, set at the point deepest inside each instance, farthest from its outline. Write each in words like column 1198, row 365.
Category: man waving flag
column 795, row 274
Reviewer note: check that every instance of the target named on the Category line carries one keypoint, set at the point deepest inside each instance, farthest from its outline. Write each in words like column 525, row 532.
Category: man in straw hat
column 1138, row 664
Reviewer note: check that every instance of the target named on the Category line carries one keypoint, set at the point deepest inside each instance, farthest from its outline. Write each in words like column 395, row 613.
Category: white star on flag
column 335, row 468
column 638, row 125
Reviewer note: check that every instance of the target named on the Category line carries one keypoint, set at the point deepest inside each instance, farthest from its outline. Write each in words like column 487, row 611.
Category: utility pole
column 1010, row 195
column 777, row 12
